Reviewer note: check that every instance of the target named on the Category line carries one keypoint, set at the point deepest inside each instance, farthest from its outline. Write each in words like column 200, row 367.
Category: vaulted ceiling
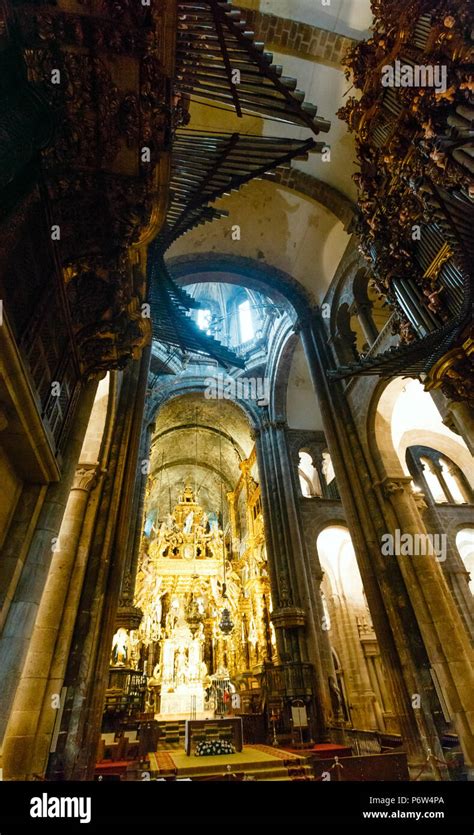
column 201, row 441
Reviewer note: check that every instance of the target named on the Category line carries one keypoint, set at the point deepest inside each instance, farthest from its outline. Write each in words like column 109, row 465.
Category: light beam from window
column 204, row 320
column 247, row 330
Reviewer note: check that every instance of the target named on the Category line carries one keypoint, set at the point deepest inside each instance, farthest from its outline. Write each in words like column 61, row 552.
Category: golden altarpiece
column 205, row 632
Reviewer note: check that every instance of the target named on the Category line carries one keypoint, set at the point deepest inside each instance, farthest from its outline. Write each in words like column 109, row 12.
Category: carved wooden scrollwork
column 105, row 67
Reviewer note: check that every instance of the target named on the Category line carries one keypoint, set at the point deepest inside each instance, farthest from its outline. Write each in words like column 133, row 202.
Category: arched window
column 246, row 325
column 345, row 338
column 204, row 320
column 437, row 476
column 308, row 474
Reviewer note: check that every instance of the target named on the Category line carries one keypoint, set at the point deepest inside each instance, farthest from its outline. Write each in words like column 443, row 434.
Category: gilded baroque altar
column 187, row 576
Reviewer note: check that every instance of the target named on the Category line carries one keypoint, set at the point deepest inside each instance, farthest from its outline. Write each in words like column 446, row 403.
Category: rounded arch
column 360, row 286
column 200, row 441
column 342, row 290
column 309, row 478
column 197, row 385
column 338, row 559
column 392, row 428
column 278, row 369
column 233, row 268
column 280, row 226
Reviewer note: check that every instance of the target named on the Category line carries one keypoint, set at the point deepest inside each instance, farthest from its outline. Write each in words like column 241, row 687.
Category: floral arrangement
column 212, row 748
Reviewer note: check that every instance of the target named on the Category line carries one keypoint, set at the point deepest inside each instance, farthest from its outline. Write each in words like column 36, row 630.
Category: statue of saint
column 120, row 648
column 188, row 522
column 181, row 667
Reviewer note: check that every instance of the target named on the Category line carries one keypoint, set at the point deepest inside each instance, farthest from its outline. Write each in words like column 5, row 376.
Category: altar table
column 234, row 722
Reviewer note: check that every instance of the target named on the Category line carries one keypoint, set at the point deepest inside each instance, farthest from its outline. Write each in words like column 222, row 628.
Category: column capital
column 395, row 484
column 274, row 424
column 85, row 477
column 420, row 499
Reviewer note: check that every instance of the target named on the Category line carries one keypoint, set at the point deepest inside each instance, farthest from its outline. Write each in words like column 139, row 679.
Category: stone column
column 404, row 656
column 16, row 636
column 138, row 513
column 463, row 420
column 442, row 629
column 366, row 322
column 453, row 567
column 295, row 615
column 23, row 754
column 88, row 666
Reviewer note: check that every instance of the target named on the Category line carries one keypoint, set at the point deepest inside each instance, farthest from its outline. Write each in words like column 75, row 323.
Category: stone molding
column 290, row 617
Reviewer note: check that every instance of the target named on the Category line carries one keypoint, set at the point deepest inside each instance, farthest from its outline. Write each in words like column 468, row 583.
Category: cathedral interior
column 236, row 389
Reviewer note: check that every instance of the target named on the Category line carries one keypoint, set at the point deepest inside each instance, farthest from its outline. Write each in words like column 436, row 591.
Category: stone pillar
column 88, row 666
column 443, row 632
column 16, row 636
column 24, row 755
column 138, row 512
column 366, row 322
column 463, row 420
column 296, row 616
column 404, row 656
column 453, row 567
